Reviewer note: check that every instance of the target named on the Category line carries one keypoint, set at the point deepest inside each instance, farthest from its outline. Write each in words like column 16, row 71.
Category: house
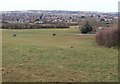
column 38, row 22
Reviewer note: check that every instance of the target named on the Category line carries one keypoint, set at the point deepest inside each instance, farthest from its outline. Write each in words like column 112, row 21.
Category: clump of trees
column 86, row 28
column 108, row 37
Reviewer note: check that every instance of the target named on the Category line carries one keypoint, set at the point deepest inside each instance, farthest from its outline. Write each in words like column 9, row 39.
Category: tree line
column 32, row 26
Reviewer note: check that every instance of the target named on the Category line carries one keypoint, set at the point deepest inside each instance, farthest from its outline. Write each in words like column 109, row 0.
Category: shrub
column 86, row 28
column 107, row 37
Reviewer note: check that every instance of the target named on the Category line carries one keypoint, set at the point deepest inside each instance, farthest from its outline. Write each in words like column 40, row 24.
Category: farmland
column 37, row 56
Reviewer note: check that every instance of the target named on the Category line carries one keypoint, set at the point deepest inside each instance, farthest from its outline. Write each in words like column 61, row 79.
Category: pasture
column 38, row 56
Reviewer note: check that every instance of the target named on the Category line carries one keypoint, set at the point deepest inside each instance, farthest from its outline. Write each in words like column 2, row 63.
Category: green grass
column 36, row 55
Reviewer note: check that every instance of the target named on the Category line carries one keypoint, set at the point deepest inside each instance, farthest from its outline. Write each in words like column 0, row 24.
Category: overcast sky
column 72, row 5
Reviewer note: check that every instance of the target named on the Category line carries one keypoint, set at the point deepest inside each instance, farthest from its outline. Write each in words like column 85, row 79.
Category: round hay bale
column 54, row 34
column 14, row 35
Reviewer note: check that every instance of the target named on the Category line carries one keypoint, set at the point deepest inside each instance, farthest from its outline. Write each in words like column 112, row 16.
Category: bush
column 108, row 37
column 86, row 28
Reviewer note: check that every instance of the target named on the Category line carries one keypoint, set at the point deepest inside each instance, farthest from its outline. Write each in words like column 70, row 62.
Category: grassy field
column 37, row 56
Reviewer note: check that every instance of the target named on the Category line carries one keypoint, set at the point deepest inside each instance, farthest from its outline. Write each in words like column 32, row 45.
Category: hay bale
column 14, row 35
column 54, row 34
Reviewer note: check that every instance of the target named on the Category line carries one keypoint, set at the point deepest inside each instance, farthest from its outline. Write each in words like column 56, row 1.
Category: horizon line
column 59, row 10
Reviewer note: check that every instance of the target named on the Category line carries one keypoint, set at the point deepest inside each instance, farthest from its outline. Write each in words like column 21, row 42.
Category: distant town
column 55, row 18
